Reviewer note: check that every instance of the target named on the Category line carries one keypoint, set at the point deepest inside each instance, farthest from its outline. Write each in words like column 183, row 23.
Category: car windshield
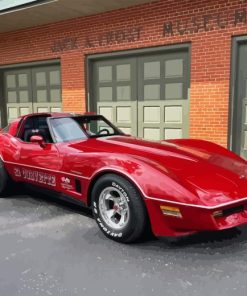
column 81, row 127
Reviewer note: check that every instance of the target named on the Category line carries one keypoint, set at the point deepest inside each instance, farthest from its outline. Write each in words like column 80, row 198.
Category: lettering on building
column 105, row 39
column 65, row 44
column 119, row 36
column 204, row 23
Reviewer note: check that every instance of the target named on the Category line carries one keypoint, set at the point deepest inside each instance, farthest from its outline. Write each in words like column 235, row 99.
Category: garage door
column 30, row 90
column 146, row 96
column 239, row 136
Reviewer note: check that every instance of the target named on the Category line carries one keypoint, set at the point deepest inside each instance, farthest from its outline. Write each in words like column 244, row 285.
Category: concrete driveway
column 49, row 247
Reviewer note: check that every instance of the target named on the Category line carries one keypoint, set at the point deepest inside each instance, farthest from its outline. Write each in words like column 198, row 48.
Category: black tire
column 4, row 179
column 137, row 215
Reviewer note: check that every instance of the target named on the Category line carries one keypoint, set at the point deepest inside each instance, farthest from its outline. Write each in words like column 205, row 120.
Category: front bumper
column 195, row 219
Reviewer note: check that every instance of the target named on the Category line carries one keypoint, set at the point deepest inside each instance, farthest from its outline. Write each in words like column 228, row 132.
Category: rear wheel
column 4, row 179
column 119, row 209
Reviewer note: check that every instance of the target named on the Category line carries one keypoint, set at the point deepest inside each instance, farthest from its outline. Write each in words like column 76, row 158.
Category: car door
column 40, row 165
column 35, row 163
column 46, row 158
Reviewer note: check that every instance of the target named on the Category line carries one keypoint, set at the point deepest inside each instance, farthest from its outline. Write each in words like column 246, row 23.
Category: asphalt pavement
column 49, row 247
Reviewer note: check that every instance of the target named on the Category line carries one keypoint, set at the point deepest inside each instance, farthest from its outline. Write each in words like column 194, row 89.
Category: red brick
column 210, row 55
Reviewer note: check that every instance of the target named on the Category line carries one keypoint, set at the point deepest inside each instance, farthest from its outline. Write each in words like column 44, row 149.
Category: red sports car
column 178, row 186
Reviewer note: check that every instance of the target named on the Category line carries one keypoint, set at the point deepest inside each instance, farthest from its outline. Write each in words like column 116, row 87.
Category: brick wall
column 208, row 24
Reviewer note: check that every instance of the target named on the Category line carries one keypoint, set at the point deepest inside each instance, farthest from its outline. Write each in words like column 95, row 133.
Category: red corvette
column 178, row 186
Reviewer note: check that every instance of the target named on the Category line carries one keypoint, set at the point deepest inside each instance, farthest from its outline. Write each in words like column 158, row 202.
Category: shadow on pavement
column 207, row 239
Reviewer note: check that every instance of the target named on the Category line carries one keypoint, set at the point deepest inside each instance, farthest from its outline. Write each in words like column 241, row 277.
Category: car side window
column 36, row 126
column 67, row 129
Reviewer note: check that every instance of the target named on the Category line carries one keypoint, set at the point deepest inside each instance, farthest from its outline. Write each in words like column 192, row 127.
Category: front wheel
column 119, row 209
column 4, row 179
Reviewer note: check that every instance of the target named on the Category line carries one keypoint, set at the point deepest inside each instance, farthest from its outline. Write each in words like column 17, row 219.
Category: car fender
column 151, row 181
column 159, row 224
column 112, row 170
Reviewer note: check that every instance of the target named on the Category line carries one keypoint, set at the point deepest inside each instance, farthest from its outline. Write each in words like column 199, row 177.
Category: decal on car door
column 36, row 176
column 66, row 183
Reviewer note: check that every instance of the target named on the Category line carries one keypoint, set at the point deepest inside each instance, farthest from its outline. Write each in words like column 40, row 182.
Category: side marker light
column 171, row 211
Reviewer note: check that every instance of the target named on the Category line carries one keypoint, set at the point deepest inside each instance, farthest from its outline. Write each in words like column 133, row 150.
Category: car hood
column 213, row 177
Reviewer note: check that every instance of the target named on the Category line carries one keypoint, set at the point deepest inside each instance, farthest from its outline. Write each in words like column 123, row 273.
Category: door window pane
column 123, row 93
column 12, row 112
column 173, row 133
column 12, row 96
column 152, row 92
column 152, row 70
column 152, row 134
column 245, row 140
column 11, row 83
column 56, row 109
column 42, row 109
column 55, row 95
column 42, row 95
column 41, row 79
column 24, row 111
column 123, row 72
column 105, row 93
column 105, row 74
column 245, row 88
column 174, row 91
column 24, row 97
column 245, row 114
column 55, row 77
column 174, row 68
column 22, row 80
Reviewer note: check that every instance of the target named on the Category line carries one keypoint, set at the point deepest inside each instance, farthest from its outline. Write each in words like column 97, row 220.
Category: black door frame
column 236, row 42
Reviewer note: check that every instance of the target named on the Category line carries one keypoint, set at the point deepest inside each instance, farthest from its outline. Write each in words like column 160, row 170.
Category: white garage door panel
column 145, row 95
column 123, row 116
column 32, row 90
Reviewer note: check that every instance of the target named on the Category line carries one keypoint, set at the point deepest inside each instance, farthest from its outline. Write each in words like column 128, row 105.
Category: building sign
column 114, row 37
column 204, row 23
column 107, row 38
column 65, row 44
column 192, row 25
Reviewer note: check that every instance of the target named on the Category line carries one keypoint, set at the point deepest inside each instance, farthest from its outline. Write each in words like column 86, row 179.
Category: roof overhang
column 36, row 13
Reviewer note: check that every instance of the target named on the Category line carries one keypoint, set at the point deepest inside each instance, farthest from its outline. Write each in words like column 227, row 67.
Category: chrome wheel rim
column 114, row 208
